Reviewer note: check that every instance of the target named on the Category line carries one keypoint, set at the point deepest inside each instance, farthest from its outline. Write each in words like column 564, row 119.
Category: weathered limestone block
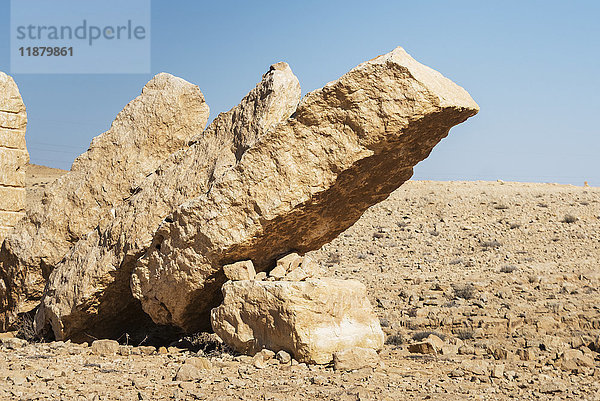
column 311, row 319
column 243, row 270
column 346, row 148
column 89, row 290
column 162, row 120
column 13, row 155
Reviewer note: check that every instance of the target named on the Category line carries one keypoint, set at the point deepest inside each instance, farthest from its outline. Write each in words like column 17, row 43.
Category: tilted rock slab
column 89, row 292
column 346, row 148
column 310, row 319
column 162, row 120
column 13, row 156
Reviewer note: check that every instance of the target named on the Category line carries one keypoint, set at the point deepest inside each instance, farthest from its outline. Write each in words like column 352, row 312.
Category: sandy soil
column 506, row 273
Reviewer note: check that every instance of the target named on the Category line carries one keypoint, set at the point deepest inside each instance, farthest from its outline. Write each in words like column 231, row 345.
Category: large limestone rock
column 13, row 155
column 162, row 120
column 89, row 291
column 346, row 148
column 312, row 320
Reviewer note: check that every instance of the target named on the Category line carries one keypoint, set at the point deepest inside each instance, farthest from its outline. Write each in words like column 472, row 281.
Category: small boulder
column 312, row 319
column 262, row 358
column 105, row 347
column 355, row 358
column 574, row 359
column 497, row 371
column 431, row 345
column 278, row 273
column 193, row 369
column 283, row 357
column 188, row 373
column 146, row 349
column 243, row 270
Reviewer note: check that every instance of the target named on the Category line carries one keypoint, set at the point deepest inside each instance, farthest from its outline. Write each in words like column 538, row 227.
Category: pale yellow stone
column 162, row 120
column 311, row 319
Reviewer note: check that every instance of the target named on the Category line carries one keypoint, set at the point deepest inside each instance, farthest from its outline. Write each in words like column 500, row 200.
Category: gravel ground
column 507, row 274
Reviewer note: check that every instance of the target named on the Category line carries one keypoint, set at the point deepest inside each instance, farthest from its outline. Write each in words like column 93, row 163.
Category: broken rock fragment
column 310, row 319
column 243, row 270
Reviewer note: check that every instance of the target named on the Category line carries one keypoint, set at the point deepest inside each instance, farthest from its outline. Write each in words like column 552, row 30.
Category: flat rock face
column 13, row 156
column 346, row 148
column 162, row 120
column 89, row 290
column 311, row 319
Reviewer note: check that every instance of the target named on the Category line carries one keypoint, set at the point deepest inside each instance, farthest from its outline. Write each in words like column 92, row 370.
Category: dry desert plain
column 486, row 291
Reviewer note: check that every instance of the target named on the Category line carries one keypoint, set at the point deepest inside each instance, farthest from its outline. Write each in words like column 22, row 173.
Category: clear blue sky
column 533, row 67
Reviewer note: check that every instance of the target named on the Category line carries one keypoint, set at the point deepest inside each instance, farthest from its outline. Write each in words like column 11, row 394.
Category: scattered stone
column 243, row 270
column 497, row 371
column 311, row 319
column 431, row 345
column 262, row 358
column 477, row 367
column 526, row 354
column 283, row 357
column 355, row 358
column 146, row 349
column 105, row 347
column 188, row 372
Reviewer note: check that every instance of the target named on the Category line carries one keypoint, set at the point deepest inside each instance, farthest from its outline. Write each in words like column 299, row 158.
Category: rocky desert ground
column 486, row 291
